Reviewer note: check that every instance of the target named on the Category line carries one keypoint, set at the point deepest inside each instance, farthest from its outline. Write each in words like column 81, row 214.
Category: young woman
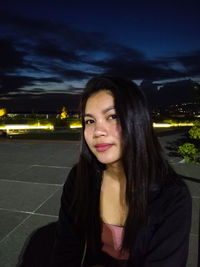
column 122, row 203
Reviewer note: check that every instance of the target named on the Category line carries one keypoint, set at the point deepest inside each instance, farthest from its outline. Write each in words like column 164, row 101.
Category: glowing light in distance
column 167, row 125
column 161, row 125
column 24, row 126
column 74, row 126
column 17, row 127
column 155, row 125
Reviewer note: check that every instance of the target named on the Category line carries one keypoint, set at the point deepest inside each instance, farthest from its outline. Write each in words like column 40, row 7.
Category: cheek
column 87, row 136
column 117, row 132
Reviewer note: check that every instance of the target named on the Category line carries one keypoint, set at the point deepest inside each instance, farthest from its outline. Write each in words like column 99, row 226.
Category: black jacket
column 162, row 242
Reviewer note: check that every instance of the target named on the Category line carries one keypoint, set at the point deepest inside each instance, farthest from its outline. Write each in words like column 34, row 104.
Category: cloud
column 138, row 69
column 42, row 48
column 35, row 52
column 33, row 91
column 10, row 57
column 14, row 83
column 70, row 74
column 48, row 80
column 131, row 63
column 44, row 29
column 11, row 83
column 191, row 61
column 52, row 50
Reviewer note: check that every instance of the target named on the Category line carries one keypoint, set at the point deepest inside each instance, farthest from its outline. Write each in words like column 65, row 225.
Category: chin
column 107, row 161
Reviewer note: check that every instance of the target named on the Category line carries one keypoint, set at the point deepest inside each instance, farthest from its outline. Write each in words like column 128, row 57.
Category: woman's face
column 102, row 129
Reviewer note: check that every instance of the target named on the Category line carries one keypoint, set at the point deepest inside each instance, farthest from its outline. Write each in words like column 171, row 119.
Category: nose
column 100, row 129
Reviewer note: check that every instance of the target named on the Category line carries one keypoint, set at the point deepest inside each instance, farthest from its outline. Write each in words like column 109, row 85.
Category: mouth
column 102, row 147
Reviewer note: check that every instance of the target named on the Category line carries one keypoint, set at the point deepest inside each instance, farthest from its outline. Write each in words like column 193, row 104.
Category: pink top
column 112, row 237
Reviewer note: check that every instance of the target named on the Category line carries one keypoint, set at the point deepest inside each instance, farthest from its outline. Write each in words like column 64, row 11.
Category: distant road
column 170, row 131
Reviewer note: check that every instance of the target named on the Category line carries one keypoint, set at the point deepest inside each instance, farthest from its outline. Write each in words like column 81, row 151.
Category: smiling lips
column 102, row 147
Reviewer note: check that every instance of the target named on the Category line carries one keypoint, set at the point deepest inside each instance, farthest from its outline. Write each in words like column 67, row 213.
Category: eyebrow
column 104, row 111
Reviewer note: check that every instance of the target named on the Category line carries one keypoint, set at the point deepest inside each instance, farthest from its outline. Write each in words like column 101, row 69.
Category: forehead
column 99, row 100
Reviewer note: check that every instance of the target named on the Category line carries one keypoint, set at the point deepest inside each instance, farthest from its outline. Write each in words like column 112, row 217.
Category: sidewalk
column 170, row 144
column 31, row 179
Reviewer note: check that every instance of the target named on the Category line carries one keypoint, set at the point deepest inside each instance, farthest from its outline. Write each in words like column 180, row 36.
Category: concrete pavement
column 31, row 179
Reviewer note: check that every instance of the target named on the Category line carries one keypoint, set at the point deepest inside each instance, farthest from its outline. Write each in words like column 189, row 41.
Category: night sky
column 49, row 50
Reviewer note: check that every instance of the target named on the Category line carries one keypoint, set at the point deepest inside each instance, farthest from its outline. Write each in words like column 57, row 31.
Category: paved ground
column 170, row 144
column 31, row 179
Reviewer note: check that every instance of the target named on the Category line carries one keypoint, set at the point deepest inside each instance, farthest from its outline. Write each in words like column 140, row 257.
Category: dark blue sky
column 52, row 48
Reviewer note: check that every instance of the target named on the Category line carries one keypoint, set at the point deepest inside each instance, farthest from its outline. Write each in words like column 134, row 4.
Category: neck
column 114, row 178
column 115, row 171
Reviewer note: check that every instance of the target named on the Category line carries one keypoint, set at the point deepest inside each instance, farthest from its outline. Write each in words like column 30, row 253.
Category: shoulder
column 176, row 188
column 164, row 238
column 172, row 187
column 71, row 177
column 69, row 185
column 171, row 196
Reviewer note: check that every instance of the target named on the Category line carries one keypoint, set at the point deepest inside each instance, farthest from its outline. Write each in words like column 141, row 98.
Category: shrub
column 194, row 132
column 191, row 151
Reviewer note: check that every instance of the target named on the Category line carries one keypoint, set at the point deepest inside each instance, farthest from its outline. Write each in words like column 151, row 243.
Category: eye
column 112, row 117
column 90, row 121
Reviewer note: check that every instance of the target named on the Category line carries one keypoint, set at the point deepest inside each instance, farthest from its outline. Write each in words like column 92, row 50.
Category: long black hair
column 142, row 157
